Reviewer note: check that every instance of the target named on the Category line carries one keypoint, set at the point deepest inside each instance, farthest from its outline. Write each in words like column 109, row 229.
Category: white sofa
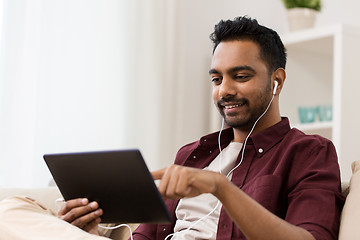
column 349, row 224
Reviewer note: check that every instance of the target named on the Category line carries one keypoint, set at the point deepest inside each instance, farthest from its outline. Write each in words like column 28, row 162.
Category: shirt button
column 204, row 140
column 210, row 151
column 194, row 156
column 164, row 229
column 260, row 150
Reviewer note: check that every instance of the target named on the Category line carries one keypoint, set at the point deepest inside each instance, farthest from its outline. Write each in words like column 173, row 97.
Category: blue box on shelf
column 325, row 113
column 307, row 114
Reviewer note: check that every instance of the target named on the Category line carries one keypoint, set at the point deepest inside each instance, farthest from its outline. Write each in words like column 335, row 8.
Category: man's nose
column 226, row 88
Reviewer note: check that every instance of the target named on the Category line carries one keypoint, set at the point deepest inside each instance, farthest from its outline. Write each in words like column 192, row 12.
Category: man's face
column 241, row 83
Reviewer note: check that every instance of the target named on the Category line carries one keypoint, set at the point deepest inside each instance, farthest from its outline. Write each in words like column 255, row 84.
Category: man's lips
column 232, row 106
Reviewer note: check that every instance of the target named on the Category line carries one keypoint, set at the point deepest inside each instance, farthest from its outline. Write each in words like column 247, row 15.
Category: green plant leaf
column 312, row 4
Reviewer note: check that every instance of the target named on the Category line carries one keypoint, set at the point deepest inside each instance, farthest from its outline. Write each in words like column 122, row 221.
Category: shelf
column 314, row 126
column 301, row 36
column 322, row 69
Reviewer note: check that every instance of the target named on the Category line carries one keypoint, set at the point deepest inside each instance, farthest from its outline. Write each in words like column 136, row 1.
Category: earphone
column 275, row 87
column 276, row 84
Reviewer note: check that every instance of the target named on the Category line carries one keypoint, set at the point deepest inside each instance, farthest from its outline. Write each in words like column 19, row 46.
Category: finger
column 87, row 219
column 172, row 183
column 71, row 204
column 79, row 212
column 157, row 175
column 165, row 180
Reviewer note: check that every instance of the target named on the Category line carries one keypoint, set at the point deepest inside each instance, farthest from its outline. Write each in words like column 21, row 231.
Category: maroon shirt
column 293, row 175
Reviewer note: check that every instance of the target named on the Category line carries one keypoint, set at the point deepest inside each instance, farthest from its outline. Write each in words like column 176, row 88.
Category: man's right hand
column 79, row 212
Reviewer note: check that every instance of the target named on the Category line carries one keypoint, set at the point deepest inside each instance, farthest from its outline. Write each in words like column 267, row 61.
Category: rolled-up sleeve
column 315, row 200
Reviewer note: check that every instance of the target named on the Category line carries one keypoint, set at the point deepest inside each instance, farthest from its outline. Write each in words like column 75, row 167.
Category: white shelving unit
column 323, row 69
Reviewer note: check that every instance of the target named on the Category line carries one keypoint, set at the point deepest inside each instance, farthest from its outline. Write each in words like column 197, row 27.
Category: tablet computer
column 118, row 180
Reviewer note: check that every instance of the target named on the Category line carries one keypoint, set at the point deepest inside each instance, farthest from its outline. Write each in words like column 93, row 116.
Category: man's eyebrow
column 213, row 71
column 234, row 69
column 240, row 68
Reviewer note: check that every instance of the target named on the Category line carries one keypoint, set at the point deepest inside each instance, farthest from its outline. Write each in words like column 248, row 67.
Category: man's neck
column 241, row 134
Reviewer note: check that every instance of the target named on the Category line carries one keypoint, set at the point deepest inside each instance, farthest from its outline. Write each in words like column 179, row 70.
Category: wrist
column 221, row 183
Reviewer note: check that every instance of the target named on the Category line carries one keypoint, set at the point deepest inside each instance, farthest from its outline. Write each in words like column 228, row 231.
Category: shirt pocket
column 266, row 190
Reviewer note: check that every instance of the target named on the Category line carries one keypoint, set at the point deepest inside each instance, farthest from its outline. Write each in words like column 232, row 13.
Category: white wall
column 83, row 42
column 61, row 87
column 80, row 75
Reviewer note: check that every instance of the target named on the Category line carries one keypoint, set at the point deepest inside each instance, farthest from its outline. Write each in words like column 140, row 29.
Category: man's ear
column 279, row 75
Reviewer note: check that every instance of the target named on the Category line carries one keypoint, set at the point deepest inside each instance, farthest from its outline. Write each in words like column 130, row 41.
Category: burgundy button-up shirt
column 293, row 175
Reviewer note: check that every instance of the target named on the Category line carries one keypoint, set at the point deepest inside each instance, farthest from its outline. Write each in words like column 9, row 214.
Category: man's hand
column 81, row 213
column 178, row 181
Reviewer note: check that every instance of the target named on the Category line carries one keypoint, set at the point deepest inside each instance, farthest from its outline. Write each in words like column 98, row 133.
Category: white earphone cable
column 247, row 137
column 241, row 159
column 219, row 137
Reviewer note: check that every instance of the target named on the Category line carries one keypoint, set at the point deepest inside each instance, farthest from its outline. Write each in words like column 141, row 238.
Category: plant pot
column 301, row 18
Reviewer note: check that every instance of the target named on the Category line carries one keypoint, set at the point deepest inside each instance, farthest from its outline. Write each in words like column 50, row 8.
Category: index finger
column 157, row 175
column 73, row 203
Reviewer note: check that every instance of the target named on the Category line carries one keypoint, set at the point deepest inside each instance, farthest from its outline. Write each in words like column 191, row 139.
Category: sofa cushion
column 350, row 216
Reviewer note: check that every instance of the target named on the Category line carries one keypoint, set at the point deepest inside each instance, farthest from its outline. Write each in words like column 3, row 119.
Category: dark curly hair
column 272, row 50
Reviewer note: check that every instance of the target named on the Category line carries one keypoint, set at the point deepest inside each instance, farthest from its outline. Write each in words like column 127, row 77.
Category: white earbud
column 275, row 87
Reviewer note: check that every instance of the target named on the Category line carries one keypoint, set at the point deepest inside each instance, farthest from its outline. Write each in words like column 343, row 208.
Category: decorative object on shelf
column 301, row 14
column 307, row 114
column 321, row 70
column 325, row 113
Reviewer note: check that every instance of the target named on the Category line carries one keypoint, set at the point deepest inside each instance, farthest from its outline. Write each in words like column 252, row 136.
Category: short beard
column 246, row 124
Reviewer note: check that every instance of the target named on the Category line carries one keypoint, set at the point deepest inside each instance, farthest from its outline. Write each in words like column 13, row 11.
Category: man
column 284, row 185
column 257, row 179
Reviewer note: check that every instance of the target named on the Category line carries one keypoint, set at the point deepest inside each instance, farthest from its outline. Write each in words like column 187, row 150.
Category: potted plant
column 301, row 13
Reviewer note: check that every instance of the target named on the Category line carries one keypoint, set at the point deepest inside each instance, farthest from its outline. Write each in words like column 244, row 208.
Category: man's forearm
column 255, row 221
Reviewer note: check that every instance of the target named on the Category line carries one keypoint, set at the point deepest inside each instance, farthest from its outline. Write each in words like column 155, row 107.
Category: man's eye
column 241, row 77
column 216, row 80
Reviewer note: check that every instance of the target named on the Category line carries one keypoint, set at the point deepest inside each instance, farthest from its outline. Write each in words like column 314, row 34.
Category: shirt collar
column 266, row 139
column 211, row 140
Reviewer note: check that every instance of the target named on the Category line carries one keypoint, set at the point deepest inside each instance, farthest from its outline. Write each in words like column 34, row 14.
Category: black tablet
column 118, row 180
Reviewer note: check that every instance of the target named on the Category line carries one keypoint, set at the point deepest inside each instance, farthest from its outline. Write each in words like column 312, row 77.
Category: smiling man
column 256, row 179
column 242, row 86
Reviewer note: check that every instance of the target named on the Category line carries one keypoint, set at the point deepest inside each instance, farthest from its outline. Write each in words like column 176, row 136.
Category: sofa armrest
column 350, row 215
